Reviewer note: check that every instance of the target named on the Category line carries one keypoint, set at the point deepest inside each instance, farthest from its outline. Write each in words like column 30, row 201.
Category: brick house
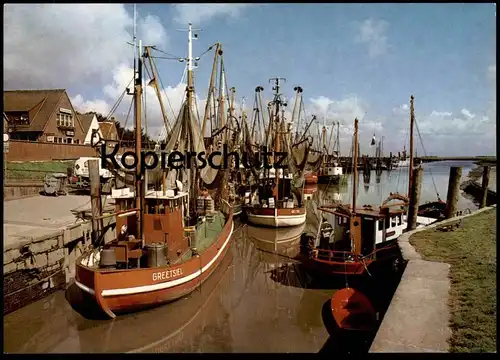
column 42, row 115
column 90, row 124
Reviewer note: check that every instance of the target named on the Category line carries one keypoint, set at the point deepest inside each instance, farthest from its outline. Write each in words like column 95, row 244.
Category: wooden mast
column 277, row 103
column 155, row 84
column 210, row 88
column 190, row 90
column 410, row 166
column 139, row 184
column 355, row 167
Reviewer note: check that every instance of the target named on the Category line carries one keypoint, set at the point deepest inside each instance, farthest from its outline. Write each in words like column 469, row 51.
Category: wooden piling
column 95, row 198
column 414, row 198
column 484, row 186
column 453, row 192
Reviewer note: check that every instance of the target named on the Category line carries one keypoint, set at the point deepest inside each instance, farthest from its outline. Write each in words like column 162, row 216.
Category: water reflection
column 258, row 300
column 238, row 309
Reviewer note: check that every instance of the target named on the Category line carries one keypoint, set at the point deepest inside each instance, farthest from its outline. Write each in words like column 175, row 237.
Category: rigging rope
column 425, row 154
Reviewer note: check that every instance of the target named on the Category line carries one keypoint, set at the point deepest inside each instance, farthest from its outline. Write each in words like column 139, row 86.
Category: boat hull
column 129, row 290
column 276, row 217
column 329, row 179
column 352, row 310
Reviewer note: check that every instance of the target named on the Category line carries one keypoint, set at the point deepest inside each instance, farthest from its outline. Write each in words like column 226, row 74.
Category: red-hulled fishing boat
column 168, row 241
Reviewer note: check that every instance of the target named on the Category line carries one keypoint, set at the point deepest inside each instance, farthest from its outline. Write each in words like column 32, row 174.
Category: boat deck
column 206, row 234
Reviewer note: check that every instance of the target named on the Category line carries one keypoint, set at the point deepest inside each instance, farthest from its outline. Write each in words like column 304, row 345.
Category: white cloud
column 373, row 33
column 64, row 45
column 440, row 114
column 402, row 109
column 467, row 114
column 199, row 13
column 99, row 106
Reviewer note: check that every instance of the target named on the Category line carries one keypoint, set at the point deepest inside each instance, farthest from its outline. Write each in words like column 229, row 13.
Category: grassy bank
column 34, row 171
column 471, row 251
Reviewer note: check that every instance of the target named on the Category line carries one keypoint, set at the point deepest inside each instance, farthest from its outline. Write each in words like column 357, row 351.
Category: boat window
column 380, row 225
column 393, row 221
column 399, row 219
column 387, row 222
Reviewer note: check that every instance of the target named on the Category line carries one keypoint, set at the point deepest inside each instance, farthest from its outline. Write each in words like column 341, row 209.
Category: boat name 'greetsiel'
column 163, row 275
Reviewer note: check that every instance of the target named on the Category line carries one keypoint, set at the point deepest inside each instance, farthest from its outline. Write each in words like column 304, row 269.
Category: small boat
column 352, row 310
column 311, row 178
column 330, row 174
column 432, row 209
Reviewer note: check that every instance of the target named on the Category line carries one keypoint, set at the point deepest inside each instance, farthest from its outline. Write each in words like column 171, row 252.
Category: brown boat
column 168, row 241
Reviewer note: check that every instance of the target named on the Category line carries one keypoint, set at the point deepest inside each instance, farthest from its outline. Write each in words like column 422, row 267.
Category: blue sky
column 364, row 60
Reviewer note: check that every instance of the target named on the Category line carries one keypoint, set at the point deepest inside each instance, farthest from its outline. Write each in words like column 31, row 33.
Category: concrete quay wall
column 35, row 267
column 417, row 319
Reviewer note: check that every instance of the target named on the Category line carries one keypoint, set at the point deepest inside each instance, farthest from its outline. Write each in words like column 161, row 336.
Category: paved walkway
column 418, row 317
column 34, row 217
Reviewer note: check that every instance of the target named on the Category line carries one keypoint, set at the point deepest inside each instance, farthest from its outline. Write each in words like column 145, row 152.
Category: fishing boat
column 168, row 241
column 362, row 235
column 278, row 198
column 331, row 171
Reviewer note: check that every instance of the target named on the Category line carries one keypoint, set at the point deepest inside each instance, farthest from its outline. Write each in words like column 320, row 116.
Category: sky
column 352, row 60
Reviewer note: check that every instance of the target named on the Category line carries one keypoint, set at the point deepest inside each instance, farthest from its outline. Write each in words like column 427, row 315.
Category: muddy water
column 258, row 300
column 239, row 309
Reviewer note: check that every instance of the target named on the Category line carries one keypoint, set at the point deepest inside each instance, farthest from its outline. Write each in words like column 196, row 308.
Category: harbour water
column 256, row 301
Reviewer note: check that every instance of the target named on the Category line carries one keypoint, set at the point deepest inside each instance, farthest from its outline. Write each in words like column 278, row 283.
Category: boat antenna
column 192, row 35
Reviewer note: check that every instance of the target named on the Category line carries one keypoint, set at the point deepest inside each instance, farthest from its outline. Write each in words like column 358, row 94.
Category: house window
column 69, row 140
column 65, row 120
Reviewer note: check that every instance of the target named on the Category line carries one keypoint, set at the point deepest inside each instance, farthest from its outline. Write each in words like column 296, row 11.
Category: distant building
column 42, row 115
column 109, row 132
column 90, row 124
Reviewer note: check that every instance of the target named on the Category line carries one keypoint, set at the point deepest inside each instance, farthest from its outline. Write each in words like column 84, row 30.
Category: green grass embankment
column 471, row 252
column 34, row 171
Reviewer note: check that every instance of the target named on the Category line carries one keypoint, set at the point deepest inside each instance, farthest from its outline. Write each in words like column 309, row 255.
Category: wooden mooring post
column 414, row 198
column 453, row 192
column 95, row 199
column 484, row 186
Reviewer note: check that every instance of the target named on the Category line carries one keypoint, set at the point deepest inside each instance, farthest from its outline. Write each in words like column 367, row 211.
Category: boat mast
column 410, row 166
column 355, row 167
column 277, row 103
column 139, row 184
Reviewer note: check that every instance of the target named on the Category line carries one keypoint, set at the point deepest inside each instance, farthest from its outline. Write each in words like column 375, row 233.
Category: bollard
column 453, row 192
column 95, row 198
column 484, row 186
